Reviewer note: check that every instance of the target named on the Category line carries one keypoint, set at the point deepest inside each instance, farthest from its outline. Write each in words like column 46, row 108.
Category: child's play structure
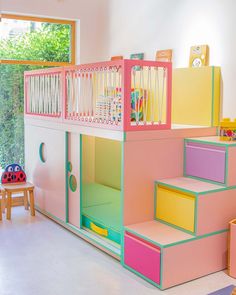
column 127, row 157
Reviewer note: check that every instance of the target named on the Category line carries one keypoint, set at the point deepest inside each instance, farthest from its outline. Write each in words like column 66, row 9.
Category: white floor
column 39, row 257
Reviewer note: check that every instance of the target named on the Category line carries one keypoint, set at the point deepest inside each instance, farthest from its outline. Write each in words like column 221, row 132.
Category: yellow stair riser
column 175, row 207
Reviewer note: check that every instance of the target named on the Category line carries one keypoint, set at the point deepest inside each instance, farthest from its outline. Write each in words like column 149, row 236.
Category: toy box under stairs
column 188, row 237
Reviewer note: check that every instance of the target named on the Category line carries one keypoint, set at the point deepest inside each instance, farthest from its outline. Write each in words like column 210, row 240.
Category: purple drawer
column 143, row 257
column 205, row 161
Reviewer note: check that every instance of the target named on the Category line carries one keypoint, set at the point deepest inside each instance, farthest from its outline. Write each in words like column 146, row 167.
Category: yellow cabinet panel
column 175, row 207
column 196, row 96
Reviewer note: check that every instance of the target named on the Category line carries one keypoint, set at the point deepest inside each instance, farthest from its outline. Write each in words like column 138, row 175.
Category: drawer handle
column 98, row 230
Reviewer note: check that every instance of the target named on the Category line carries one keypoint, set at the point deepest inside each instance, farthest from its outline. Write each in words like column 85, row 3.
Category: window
column 26, row 43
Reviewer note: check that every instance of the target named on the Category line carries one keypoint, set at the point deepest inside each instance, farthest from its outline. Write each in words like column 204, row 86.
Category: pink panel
column 143, row 257
column 148, row 158
column 159, row 232
column 48, row 177
column 206, row 162
column 231, row 166
column 74, row 197
column 145, row 162
column 190, row 184
column 215, row 210
column 232, row 249
column 191, row 260
column 181, row 132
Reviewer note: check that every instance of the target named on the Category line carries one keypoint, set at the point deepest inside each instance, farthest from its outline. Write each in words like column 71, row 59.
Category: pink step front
column 180, row 258
column 143, row 257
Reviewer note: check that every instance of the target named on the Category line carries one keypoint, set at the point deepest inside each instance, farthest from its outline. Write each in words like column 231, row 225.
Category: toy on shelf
column 148, row 94
column 108, row 105
column 13, row 173
column 228, row 129
column 199, row 56
column 137, row 101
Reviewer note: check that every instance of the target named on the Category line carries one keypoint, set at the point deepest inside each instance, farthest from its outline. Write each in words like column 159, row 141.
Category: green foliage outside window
column 50, row 43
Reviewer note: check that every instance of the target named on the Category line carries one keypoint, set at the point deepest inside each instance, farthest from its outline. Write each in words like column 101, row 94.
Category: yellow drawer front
column 175, row 208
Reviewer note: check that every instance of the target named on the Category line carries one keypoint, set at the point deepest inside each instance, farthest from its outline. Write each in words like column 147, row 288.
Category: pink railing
column 125, row 95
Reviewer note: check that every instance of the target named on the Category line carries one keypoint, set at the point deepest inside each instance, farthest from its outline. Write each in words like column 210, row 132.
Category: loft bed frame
column 99, row 146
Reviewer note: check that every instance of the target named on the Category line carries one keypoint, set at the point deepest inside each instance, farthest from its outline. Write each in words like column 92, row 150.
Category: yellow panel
column 175, row 208
column 217, row 97
column 88, row 158
column 196, row 96
column 108, row 162
column 99, row 230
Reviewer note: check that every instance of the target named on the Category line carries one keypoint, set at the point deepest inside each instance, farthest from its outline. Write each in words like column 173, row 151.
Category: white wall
column 148, row 25
column 92, row 15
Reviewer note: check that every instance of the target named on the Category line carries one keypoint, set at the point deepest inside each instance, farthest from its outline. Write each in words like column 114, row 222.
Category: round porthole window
column 72, row 183
column 42, row 152
column 69, row 166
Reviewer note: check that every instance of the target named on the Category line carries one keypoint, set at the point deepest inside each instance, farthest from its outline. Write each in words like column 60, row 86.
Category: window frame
column 47, row 20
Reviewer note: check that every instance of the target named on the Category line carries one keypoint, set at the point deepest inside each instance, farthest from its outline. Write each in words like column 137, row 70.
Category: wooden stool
column 2, row 202
column 18, row 188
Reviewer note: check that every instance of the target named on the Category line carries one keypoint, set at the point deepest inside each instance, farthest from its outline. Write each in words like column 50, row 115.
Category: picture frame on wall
column 137, row 56
column 199, row 56
column 164, row 55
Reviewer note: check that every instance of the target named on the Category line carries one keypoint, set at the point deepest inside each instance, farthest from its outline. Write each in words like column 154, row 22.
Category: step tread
column 215, row 140
column 190, row 185
column 158, row 233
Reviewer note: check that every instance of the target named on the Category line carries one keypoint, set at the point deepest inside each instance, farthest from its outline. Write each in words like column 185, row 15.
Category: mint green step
column 101, row 208
column 94, row 194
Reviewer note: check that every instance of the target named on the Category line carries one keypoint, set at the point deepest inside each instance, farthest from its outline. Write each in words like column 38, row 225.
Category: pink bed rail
column 127, row 95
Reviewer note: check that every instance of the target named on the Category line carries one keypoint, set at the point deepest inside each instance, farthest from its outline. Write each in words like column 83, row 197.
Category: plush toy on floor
column 13, row 174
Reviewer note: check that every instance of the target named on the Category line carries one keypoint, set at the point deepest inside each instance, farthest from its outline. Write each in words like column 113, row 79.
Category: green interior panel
column 95, row 194
column 108, row 162
column 106, row 215
column 101, row 182
column 88, row 158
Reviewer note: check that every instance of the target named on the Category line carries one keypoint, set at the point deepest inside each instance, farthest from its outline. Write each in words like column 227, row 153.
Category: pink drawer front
column 205, row 161
column 143, row 257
